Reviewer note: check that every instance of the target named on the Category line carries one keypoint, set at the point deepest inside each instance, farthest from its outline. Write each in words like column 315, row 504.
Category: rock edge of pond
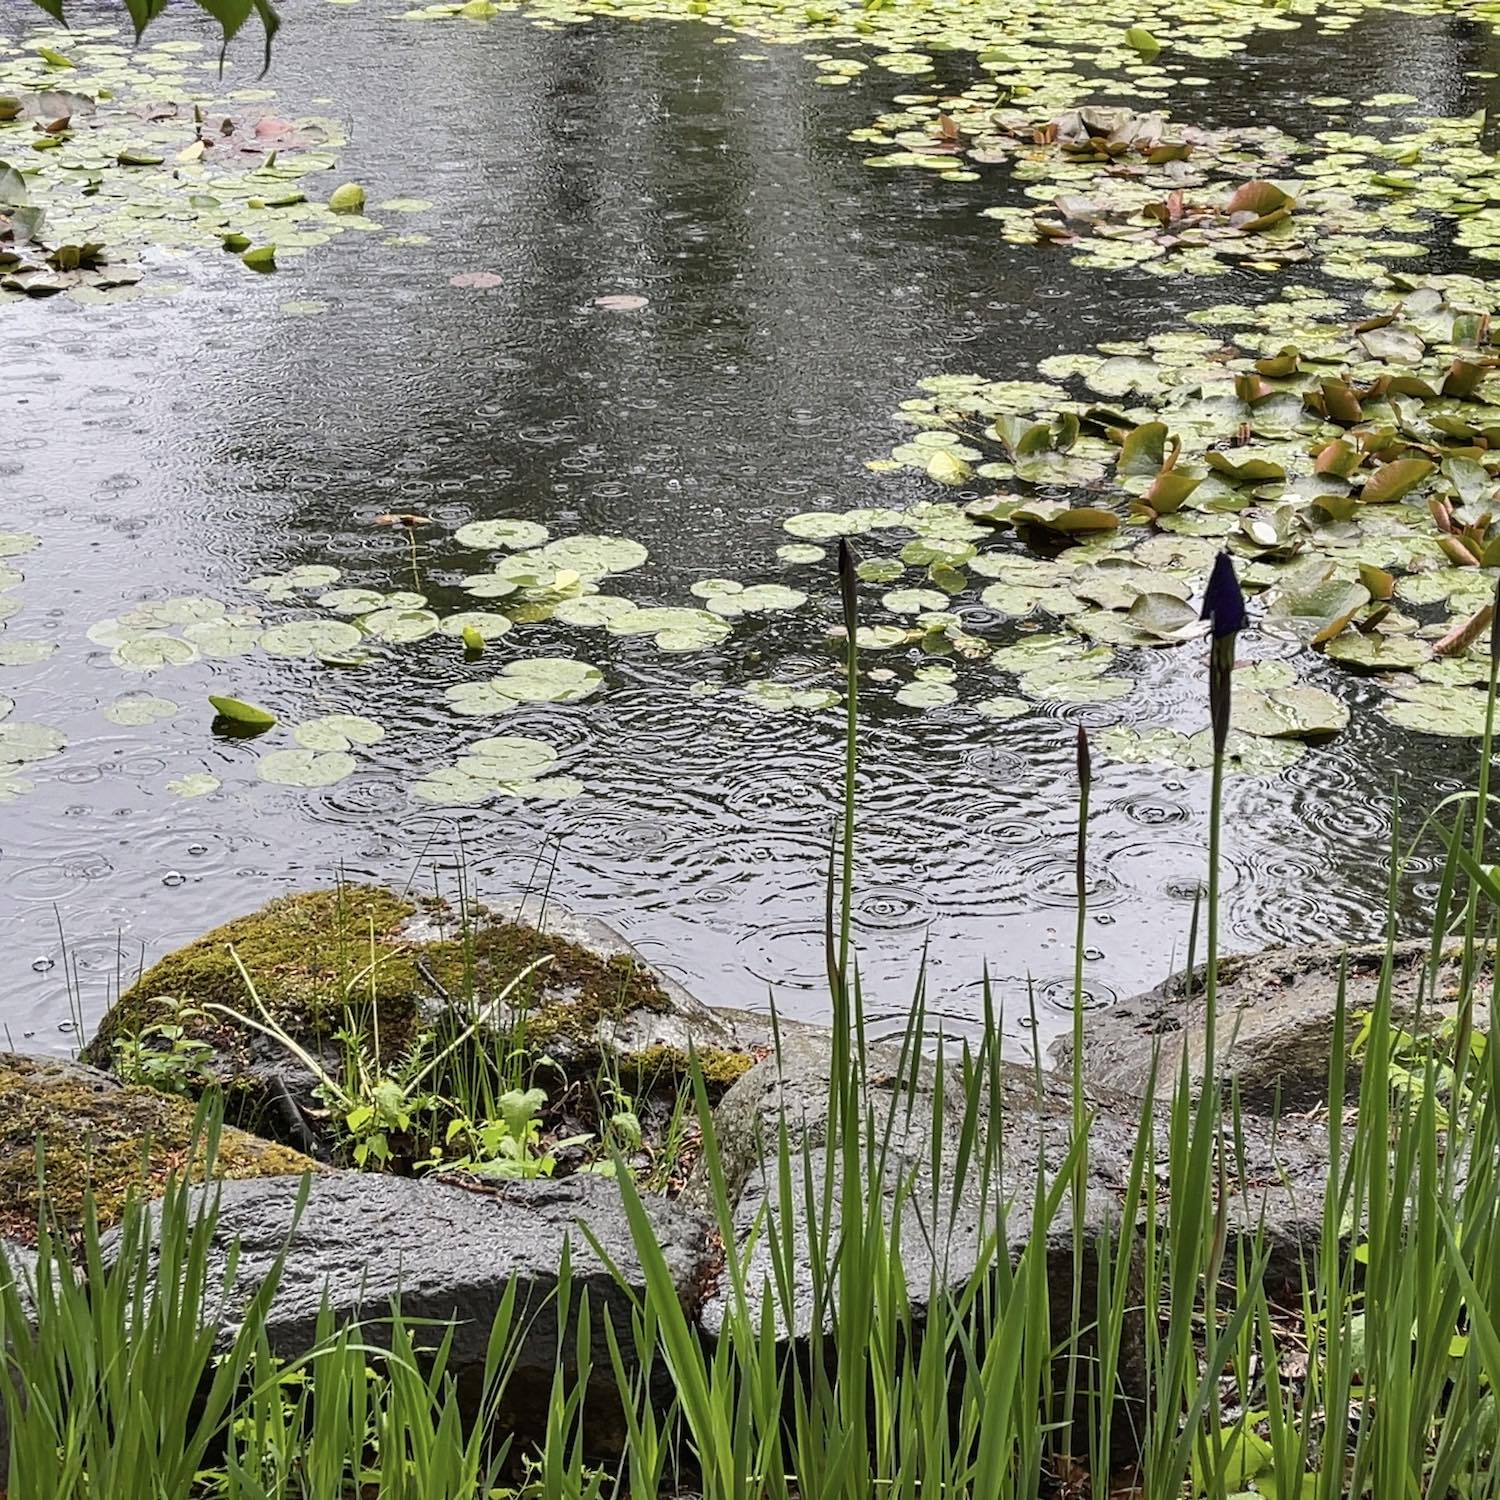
column 450, row 1247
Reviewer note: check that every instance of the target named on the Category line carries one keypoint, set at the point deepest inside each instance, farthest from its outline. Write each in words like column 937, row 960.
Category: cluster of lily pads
column 107, row 151
column 313, row 613
column 1351, row 465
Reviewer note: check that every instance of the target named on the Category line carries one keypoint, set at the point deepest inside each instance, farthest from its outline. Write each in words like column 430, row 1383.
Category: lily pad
column 1300, row 712
column 780, row 696
column 153, row 650
column 136, row 709
column 510, row 534
column 305, row 768
column 311, row 637
column 1377, row 652
column 542, row 679
column 595, row 556
column 1430, row 708
column 22, row 742
column 490, row 625
column 194, row 784
column 338, row 732
column 399, row 626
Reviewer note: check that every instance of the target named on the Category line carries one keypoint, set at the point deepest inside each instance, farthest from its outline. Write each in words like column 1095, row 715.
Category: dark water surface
column 796, row 297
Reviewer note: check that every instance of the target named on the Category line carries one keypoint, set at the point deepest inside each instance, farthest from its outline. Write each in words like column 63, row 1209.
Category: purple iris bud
column 1223, row 603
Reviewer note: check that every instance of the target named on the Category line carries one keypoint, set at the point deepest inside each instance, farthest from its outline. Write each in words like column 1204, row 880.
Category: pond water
column 248, row 425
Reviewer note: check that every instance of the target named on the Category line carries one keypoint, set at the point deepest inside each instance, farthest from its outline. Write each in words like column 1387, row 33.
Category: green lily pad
column 879, row 637
column 305, row 768
column 510, row 534
column 1377, row 652
column 913, row 601
column 153, row 650
column 137, row 709
column 801, row 552
column 311, row 637
column 760, row 598
column 1164, row 615
column 490, row 625
column 361, row 601
column 1430, row 708
column 25, row 653
column 337, row 732
column 221, row 639
column 164, row 614
column 595, row 556
column 17, row 543
column 237, row 711
column 22, row 742
column 673, row 629
column 779, row 696
column 927, row 694
column 594, row 610
column 507, row 758
column 1300, row 712
column 194, row 784
column 399, row 626
column 1002, row 707
column 542, row 679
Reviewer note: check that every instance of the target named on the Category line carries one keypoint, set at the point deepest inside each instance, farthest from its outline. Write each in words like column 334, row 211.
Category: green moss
column 100, row 1137
column 307, row 954
column 565, row 1000
column 652, row 1065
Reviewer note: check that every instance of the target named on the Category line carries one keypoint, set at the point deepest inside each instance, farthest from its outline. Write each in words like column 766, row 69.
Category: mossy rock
column 100, row 1137
column 306, row 954
column 391, row 969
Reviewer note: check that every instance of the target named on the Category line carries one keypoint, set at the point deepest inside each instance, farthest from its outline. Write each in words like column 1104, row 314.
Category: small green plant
column 510, row 1146
column 163, row 1056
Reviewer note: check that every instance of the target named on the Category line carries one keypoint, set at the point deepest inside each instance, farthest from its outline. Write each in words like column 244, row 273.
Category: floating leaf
column 542, row 679
column 22, row 742
column 1394, row 480
column 927, row 694
column 311, row 638
column 947, row 469
column 595, row 556
column 1258, row 198
column 399, row 626
column 337, row 732
column 779, row 696
column 1298, row 712
column 913, row 601
column 194, row 784
column 1433, row 709
column 1144, row 449
column 153, row 650
column 508, row 758
column 1002, row 707
column 260, row 258
column 237, row 711
column 137, row 709
column 305, row 768
column 510, row 534
column 1165, row 615
column 802, row 552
